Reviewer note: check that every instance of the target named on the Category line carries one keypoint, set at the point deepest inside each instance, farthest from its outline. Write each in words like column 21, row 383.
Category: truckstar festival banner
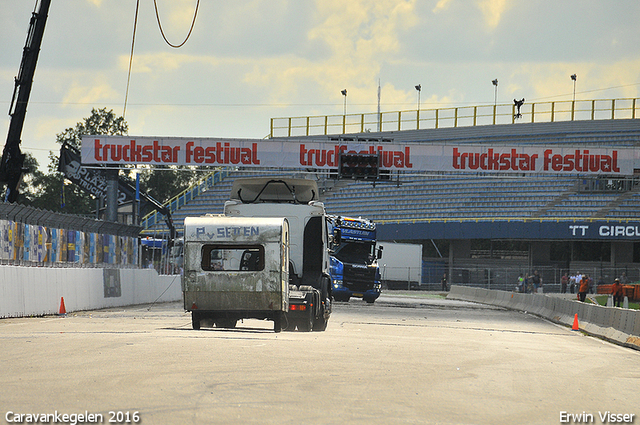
column 325, row 155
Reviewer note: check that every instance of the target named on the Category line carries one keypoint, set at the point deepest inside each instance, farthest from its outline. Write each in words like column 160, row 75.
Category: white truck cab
column 298, row 201
column 267, row 257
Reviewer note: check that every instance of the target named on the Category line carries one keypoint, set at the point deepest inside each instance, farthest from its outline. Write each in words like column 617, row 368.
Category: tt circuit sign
column 604, row 231
column 513, row 229
column 325, row 155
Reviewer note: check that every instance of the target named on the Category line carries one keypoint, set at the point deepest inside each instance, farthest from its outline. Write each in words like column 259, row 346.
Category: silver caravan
column 309, row 278
column 236, row 268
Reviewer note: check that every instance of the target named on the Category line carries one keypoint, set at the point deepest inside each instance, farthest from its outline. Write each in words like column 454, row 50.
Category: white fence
column 35, row 291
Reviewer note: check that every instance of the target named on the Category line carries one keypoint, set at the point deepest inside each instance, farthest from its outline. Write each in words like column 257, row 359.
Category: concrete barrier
column 636, row 326
column 36, row 291
column 627, row 321
column 615, row 324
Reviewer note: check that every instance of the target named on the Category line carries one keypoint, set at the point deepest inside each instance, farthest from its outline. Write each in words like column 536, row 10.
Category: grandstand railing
column 182, row 198
column 465, row 116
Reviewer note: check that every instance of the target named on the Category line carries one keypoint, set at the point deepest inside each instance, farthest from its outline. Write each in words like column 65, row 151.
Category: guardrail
column 465, row 116
column 618, row 325
column 182, row 198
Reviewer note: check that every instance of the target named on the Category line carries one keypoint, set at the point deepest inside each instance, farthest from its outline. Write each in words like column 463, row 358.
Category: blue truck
column 354, row 260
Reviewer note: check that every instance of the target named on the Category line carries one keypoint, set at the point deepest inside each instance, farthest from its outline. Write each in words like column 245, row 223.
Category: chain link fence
column 34, row 237
column 506, row 278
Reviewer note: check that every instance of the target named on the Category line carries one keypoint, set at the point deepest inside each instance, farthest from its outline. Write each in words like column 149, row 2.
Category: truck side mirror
column 379, row 252
column 337, row 236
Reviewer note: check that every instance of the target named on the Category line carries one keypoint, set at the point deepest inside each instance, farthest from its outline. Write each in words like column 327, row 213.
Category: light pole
column 574, row 77
column 495, row 95
column 495, row 99
column 344, row 93
column 419, row 89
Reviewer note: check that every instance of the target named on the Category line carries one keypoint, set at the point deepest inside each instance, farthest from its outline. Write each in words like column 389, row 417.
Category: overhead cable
column 133, row 42
column 175, row 46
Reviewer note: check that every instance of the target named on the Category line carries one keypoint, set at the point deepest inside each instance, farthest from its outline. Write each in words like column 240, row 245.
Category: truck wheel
column 306, row 323
column 195, row 320
column 277, row 322
column 321, row 323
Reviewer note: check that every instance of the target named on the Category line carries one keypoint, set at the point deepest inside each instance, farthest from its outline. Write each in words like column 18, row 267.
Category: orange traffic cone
column 63, row 310
column 575, row 323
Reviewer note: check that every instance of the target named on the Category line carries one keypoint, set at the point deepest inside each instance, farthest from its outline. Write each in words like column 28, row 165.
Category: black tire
column 277, row 322
column 195, row 320
column 320, row 323
column 306, row 323
column 226, row 323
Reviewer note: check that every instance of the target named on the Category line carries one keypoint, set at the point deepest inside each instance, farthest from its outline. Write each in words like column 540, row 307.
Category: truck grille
column 358, row 279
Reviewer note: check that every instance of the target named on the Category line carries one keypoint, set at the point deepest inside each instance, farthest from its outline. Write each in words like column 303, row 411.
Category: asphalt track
column 411, row 358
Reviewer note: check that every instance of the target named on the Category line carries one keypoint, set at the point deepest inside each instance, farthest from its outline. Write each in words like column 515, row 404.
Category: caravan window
column 232, row 258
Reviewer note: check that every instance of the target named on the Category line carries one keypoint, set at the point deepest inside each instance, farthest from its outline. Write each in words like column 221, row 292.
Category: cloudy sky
column 251, row 60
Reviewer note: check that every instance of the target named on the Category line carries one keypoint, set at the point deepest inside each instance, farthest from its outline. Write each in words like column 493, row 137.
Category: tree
column 101, row 121
column 52, row 192
column 164, row 182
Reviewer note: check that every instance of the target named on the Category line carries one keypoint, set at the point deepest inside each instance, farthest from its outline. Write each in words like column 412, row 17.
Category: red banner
column 296, row 154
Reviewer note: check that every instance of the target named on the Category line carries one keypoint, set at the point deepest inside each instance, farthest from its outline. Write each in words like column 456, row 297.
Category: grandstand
column 432, row 208
column 411, row 196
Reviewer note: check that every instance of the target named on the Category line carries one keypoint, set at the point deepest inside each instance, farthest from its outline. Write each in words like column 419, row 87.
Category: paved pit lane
column 408, row 358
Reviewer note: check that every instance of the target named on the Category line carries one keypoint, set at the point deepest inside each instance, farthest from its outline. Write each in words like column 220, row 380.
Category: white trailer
column 236, row 268
column 400, row 265
column 309, row 276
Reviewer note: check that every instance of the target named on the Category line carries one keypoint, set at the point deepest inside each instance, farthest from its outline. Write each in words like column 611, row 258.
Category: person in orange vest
column 584, row 288
column 618, row 292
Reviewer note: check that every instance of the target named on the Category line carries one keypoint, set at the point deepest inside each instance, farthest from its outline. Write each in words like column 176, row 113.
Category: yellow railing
column 464, row 116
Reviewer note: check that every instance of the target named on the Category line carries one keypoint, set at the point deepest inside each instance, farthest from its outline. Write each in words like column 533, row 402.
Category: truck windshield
column 355, row 253
column 232, row 258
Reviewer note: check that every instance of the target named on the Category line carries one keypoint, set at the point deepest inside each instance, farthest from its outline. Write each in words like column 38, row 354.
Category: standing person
column 584, row 287
column 618, row 292
column 572, row 283
column 521, row 287
column 443, row 281
column 563, row 283
column 623, row 279
column 537, row 281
